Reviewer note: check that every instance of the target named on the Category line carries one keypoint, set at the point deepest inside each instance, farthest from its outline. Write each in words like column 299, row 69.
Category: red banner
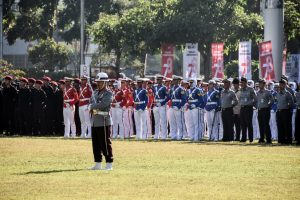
column 167, row 60
column 266, row 61
column 284, row 61
column 217, row 53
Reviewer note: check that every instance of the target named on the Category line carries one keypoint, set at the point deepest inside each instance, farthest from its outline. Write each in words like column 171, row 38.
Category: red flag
column 266, row 61
column 217, row 68
column 167, row 60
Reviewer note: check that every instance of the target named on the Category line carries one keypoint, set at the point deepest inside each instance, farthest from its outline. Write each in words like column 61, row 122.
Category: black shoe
column 261, row 141
column 243, row 141
column 269, row 142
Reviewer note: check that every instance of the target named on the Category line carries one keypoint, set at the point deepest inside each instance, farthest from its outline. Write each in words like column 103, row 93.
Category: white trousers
column 256, row 134
column 273, row 126
column 85, row 119
column 148, row 123
column 118, row 125
column 69, row 121
column 176, row 124
column 160, row 119
column 184, row 125
column 128, row 123
column 195, row 124
column 189, row 123
column 140, row 117
column 212, row 124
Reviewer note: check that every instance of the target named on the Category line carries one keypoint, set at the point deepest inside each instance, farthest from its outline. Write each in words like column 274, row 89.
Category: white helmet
column 101, row 77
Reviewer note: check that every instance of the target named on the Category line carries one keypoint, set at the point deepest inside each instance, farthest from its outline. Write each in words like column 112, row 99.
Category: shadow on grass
column 51, row 171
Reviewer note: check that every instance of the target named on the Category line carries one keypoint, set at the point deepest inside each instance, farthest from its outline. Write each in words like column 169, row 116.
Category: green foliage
column 231, row 69
column 292, row 25
column 48, row 55
column 38, row 74
column 7, row 69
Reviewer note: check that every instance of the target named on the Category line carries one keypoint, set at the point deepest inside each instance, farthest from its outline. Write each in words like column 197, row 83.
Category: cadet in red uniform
column 85, row 93
column 149, row 85
column 70, row 98
column 128, row 109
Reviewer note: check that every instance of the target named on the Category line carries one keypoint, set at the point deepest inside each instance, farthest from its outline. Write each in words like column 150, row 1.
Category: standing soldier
column 284, row 114
column 9, row 94
column 116, row 110
column 38, row 98
column 76, row 86
column 24, row 107
column 31, row 82
column 264, row 103
column 178, row 99
column 297, row 120
column 57, row 99
column 212, row 108
column 273, row 123
column 148, row 86
column 140, row 102
column 70, row 98
column 237, row 109
column 49, row 109
column 101, row 123
column 128, row 108
column 247, row 101
column 85, row 93
column 196, row 102
column 160, row 108
column 228, row 101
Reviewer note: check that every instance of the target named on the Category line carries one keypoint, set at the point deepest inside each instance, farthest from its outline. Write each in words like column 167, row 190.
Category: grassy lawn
column 55, row 168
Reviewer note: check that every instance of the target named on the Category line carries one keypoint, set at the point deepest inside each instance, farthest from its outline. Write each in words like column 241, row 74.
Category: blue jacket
column 196, row 98
column 140, row 99
column 178, row 96
column 160, row 94
column 212, row 100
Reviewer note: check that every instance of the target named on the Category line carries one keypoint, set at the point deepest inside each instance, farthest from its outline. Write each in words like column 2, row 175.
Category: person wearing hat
column 196, row 103
column 247, row 101
column 50, row 107
column 148, row 86
column 127, row 107
column 76, row 84
column 273, row 123
column 178, row 99
column 140, row 114
column 101, row 122
column 264, row 102
column 237, row 109
column 23, row 107
column 284, row 114
column 57, row 102
column 38, row 100
column 9, row 102
column 228, row 101
column 70, row 96
column 85, row 93
column 117, row 110
column 160, row 108
column 212, row 109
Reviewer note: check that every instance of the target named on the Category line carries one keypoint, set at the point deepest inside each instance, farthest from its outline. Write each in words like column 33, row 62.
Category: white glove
column 89, row 107
column 193, row 106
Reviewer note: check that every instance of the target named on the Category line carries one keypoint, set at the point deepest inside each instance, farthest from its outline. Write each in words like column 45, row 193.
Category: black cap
column 261, row 81
column 243, row 79
column 283, row 81
column 235, row 81
column 226, row 80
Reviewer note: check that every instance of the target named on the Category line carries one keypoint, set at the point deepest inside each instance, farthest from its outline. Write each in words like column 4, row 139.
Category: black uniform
column 8, row 108
column 49, row 109
column 58, row 115
column 23, row 110
column 38, row 110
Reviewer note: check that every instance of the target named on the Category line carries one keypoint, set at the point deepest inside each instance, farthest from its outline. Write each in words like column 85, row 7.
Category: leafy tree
column 7, row 69
column 49, row 55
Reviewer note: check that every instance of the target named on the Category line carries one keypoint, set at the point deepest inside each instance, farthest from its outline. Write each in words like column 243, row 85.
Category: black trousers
column 284, row 126
column 297, row 126
column 237, row 125
column 264, row 115
column 227, row 115
column 102, row 144
column 246, row 123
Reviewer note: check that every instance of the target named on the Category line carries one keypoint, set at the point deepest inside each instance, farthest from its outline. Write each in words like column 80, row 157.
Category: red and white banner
column 167, row 60
column 266, row 61
column 191, row 61
column 217, row 68
column 245, row 60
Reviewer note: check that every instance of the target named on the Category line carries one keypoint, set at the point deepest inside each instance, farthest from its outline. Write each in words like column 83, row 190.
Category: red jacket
column 128, row 98
column 150, row 97
column 85, row 93
column 70, row 96
column 118, row 98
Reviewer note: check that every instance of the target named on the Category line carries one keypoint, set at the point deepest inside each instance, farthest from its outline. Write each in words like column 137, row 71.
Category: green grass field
column 55, row 168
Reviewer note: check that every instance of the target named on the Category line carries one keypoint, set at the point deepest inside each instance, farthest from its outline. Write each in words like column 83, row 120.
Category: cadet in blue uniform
column 160, row 108
column 196, row 103
column 212, row 108
column 178, row 99
column 140, row 105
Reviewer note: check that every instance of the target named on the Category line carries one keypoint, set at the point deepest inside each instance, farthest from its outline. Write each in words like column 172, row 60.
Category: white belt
column 85, row 99
column 139, row 102
column 159, row 100
column 193, row 101
column 68, row 101
column 176, row 100
column 211, row 103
